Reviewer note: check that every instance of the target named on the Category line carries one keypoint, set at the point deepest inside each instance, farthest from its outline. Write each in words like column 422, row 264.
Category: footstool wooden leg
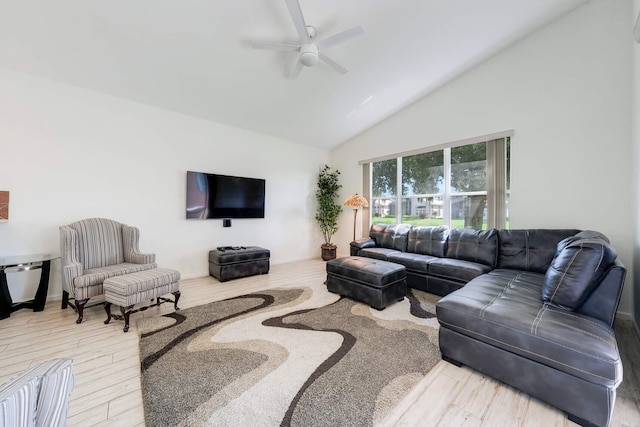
column 176, row 296
column 107, row 308
column 125, row 313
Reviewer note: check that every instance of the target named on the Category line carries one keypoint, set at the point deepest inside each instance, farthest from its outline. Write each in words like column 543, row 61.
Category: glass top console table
column 14, row 264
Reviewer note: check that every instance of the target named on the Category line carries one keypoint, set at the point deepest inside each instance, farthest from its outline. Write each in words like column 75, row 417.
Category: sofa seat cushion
column 416, row 262
column 378, row 253
column 96, row 276
column 503, row 308
column 456, row 269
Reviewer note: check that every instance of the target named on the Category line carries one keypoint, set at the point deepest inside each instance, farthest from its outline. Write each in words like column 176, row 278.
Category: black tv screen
column 212, row 196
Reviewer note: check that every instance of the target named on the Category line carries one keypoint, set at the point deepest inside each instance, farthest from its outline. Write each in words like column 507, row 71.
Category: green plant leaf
column 328, row 208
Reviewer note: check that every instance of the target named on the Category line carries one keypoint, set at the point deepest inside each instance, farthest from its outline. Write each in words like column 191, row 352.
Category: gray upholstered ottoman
column 131, row 289
column 232, row 263
column 374, row 282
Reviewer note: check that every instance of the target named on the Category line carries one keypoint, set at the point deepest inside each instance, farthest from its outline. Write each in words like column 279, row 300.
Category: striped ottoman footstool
column 131, row 289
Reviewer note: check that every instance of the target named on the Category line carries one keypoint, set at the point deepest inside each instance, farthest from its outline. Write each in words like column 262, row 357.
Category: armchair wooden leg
column 80, row 307
column 65, row 299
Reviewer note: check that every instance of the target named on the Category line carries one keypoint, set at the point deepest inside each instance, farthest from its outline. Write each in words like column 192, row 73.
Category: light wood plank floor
column 106, row 363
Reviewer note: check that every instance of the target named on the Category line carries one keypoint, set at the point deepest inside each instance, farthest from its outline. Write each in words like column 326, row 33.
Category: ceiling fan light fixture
column 308, row 50
column 309, row 54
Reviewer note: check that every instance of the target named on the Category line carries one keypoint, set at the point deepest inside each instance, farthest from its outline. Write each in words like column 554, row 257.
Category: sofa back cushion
column 529, row 250
column 586, row 234
column 576, row 271
column 99, row 242
column 428, row 240
column 479, row 246
column 390, row 236
column 376, row 232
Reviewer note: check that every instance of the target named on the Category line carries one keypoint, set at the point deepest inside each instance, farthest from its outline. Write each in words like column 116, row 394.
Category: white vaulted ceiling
column 195, row 57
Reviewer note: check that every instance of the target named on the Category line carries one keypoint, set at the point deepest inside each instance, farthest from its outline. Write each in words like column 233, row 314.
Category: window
column 384, row 184
column 422, row 187
column 462, row 185
column 468, row 186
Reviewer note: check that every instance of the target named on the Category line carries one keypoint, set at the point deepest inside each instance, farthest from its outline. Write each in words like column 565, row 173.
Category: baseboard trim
column 623, row 315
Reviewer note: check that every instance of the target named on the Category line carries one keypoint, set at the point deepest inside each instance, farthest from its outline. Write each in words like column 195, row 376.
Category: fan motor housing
column 309, row 54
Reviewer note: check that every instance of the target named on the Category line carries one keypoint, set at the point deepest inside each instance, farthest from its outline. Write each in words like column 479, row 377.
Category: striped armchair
column 92, row 250
column 38, row 396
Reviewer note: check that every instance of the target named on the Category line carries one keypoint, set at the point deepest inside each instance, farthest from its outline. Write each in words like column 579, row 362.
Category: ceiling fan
column 308, row 50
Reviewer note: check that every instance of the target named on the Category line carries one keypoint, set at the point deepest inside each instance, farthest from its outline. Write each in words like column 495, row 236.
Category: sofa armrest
column 360, row 244
column 366, row 242
column 38, row 396
column 130, row 241
column 69, row 273
column 71, row 265
column 603, row 302
column 140, row 258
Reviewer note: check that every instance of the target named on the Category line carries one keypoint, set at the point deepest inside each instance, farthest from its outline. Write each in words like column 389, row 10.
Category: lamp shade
column 356, row 201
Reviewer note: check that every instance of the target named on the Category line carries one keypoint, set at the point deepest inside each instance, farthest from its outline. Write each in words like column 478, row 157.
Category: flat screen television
column 212, row 196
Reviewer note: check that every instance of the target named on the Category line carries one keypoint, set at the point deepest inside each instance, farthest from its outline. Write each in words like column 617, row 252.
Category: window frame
column 498, row 190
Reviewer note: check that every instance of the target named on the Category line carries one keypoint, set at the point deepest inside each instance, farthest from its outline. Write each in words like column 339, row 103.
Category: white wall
column 566, row 93
column 68, row 154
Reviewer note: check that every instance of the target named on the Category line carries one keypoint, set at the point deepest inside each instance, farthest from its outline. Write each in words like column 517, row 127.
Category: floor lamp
column 356, row 201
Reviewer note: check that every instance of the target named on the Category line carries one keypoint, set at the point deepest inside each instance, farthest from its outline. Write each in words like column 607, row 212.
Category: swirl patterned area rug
column 297, row 356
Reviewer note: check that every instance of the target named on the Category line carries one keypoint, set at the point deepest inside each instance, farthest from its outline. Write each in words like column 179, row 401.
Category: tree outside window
column 469, row 184
column 384, row 183
column 443, row 187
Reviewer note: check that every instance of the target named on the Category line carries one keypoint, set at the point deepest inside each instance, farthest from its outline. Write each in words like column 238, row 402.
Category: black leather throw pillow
column 575, row 271
column 583, row 235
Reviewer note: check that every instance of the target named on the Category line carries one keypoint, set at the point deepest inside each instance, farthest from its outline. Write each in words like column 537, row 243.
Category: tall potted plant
column 328, row 209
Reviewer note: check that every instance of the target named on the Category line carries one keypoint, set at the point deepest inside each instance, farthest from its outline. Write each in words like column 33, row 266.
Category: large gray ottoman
column 374, row 282
column 232, row 263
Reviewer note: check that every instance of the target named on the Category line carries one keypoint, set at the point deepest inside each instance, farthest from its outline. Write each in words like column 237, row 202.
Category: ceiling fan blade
column 340, row 37
column 333, row 64
column 293, row 69
column 298, row 20
column 276, row 46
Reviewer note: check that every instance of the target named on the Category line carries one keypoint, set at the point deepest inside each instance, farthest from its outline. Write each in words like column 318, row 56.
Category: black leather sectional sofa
column 531, row 308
